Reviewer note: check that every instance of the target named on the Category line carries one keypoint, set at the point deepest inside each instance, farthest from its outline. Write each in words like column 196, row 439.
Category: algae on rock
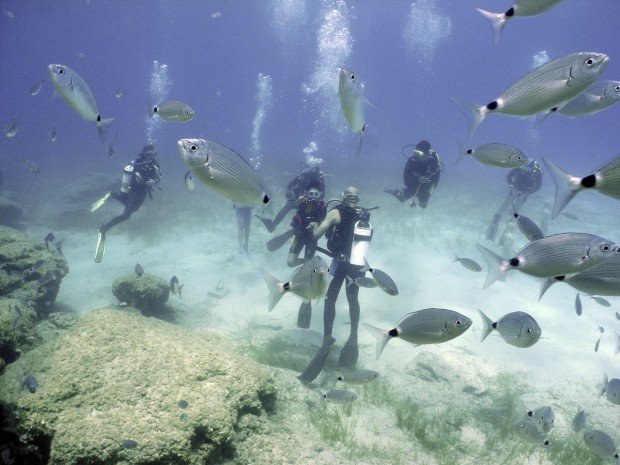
column 148, row 293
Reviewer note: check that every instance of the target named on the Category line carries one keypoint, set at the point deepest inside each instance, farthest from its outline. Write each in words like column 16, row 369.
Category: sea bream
column 76, row 93
column 173, row 111
column 543, row 88
column 605, row 180
column 496, row 155
column 557, row 255
column 351, row 93
column 520, row 8
column 601, row 444
column 223, row 170
column 308, row 282
column 516, row 328
column 592, row 101
column 426, row 326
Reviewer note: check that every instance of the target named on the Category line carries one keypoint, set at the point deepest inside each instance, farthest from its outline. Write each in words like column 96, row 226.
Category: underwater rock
column 30, row 278
column 116, row 376
column 10, row 212
column 147, row 293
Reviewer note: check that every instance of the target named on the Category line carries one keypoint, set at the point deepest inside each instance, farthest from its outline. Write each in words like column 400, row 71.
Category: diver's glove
column 99, row 203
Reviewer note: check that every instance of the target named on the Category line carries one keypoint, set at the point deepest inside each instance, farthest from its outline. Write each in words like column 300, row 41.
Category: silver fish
column 53, row 134
column 338, row 396
column 600, row 444
column 32, row 167
column 175, row 287
column 52, row 241
column 578, row 307
column 556, row 255
column 358, row 377
column 351, row 93
column 11, row 128
column 426, row 326
column 36, row 87
column 603, row 279
column 601, row 301
column 309, row 282
column 497, row 155
column 361, row 281
column 611, row 389
column 110, row 149
column 544, row 416
column 579, row 421
column 516, row 328
column 588, row 103
column 76, row 93
column 528, row 228
column 468, row 263
column 597, row 344
column 31, row 383
column 382, row 279
column 173, row 111
column 119, row 93
column 188, row 179
column 543, row 88
column 605, row 180
column 223, row 170
column 520, row 8
column 527, row 429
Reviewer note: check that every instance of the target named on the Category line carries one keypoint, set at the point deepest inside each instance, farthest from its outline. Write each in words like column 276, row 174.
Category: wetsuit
column 309, row 210
column 420, row 176
column 146, row 173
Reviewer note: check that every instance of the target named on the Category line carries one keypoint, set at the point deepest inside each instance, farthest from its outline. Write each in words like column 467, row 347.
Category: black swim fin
column 492, row 231
column 278, row 241
column 268, row 223
column 318, row 361
column 305, row 315
column 349, row 353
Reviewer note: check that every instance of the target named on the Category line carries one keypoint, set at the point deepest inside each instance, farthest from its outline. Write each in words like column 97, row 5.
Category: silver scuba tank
column 126, row 180
column 362, row 234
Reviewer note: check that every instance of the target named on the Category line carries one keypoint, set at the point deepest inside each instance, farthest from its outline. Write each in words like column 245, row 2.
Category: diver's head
column 148, row 151
column 423, row 146
column 532, row 166
column 313, row 193
column 350, row 196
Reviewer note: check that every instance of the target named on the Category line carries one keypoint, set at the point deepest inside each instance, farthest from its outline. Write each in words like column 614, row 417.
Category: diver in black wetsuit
column 311, row 176
column 421, row 175
column 522, row 182
column 139, row 178
column 348, row 236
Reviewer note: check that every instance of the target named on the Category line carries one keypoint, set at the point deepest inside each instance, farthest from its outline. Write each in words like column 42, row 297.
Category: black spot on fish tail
column 514, row 261
column 393, row 332
column 589, row 181
column 510, row 12
column 339, row 378
column 546, row 443
column 530, row 413
column 99, row 118
column 554, row 109
column 469, row 151
column 286, row 286
column 560, row 278
column 492, row 106
column 265, row 199
column 516, row 215
column 494, row 325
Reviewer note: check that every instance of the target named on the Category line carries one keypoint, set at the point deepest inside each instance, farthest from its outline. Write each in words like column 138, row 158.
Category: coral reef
column 148, row 293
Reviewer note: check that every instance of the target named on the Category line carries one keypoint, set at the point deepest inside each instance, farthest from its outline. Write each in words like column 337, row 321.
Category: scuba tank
column 127, row 177
column 362, row 234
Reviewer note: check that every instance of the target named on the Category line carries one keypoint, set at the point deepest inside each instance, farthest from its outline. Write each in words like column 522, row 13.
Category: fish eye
column 617, row 88
column 605, row 248
column 193, row 148
column 528, row 331
column 314, row 270
column 61, row 71
column 352, row 76
column 589, row 62
column 187, row 112
column 458, row 322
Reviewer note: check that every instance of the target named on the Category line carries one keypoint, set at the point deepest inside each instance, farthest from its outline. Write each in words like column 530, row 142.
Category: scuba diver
column 310, row 176
column 421, row 175
column 348, row 234
column 244, row 218
column 522, row 182
column 139, row 178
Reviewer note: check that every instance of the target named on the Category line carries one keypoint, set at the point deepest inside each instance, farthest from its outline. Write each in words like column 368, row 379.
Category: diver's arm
column 332, row 218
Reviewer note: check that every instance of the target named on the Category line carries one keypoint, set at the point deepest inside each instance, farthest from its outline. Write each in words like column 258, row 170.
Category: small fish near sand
column 339, row 396
column 175, row 287
column 528, row 228
column 597, row 344
column 516, row 328
column 578, row 306
column 173, row 111
column 579, row 421
column 53, row 244
column 382, row 279
column 31, row 383
column 426, row 326
column 129, row 444
column 140, row 271
column 601, row 444
column 601, row 301
column 611, row 389
column 358, row 377
column 528, row 430
column 544, row 417
column 468, row 263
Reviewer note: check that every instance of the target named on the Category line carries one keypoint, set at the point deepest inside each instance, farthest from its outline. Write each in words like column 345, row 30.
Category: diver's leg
column 406, row 193
column 304, row 316
column 350, row 351
column 424, row 195
column 492, row 229
column 293, row 259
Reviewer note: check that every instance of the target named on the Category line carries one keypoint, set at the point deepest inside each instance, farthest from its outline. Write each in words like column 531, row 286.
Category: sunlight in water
column 264, row 100
column 425, row 29
column 158, row 91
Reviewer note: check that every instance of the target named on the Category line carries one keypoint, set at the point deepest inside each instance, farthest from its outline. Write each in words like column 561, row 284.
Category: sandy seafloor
column 193, row 235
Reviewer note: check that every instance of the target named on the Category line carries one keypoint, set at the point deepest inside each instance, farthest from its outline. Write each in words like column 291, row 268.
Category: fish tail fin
column 102, row 125
column 366, row 267
column 497, row 20
column 617, row 344
column 564, row 188
column 544, row 285
column 358, row 147
column 382, row 337
column 350, row 281
column 487, row 325
column 601, row 391
column 497, row 266
column 475, row 114
column 275, row 289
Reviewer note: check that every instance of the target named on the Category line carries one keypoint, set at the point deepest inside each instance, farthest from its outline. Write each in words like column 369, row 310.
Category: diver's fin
column 497, row 20
column 492, row 229
column 349, row 353
column 268, row 223
column 99, row 203
column 275, row 289
column 566, row 186
column 100, row 251
column 318, row 361
column 358, row 147
column 305, row 315
column 278, row 241
column 381, row 336
column 487, row 325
